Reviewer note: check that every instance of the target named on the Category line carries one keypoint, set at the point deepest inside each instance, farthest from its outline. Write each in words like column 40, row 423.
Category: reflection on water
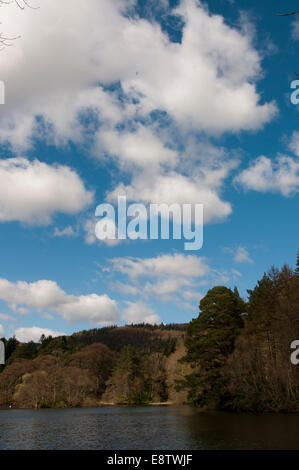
column 152, row 428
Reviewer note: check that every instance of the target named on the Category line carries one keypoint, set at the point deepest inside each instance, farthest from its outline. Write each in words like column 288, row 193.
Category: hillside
column 117, row 365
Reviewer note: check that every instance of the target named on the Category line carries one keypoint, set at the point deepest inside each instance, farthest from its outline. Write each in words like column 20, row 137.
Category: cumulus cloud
column 47, row 295
column 33, row 191
column 1, row 331
column 240, row 255
column 165, row 287
column 141, row 148
column 66, row 232
column 24, row 335
column 198, row 179
column 265, row 175
column 167, row 277
column 166, row 265
column 204, row 84
column 89, row 228
column 96, row 309
column 139, row 312
column 294, row 143
column 38, row 295
column 175, row 188
column 192, row 296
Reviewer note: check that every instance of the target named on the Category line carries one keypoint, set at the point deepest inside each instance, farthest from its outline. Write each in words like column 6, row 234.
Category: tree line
column 240, row 351
column 81, row 370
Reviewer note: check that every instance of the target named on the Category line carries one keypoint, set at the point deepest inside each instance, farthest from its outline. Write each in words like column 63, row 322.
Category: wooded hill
column 125, row 365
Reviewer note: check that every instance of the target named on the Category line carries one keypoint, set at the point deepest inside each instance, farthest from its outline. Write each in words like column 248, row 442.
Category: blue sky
column 166, row 102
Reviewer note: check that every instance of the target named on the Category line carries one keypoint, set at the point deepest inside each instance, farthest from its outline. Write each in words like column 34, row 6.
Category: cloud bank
column 33, row 191
column 46, row 295
column 24, row 335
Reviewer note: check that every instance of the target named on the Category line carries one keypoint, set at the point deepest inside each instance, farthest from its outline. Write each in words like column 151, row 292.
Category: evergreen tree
column 130, row 360
column 24, row 351
column 209, row 341
column 10, row 347
column 128, row 379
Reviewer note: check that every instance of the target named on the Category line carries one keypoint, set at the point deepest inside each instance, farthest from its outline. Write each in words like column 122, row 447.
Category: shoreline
column 98, row 405
column 163, row 404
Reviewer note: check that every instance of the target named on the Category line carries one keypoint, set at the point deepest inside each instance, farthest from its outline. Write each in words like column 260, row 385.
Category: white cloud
column 202, row 84
column 165, row 287
column 242, row 255
column 24, row 335
column 168, row 278
column 1, row 331
column 174, row 278
column 5, row 317
column 141, row 148
column 47, row 295
column 89, row 227
column 266, row 175
column 187, row 266
column 20, row 310
column 66, row 232
column 192, row 295
column 294, row 143
column 125, row 288
column 38, row 295
column 139, row 312
column 33, row 192
column 236, row 274
column 96, row 309
column 175, row 188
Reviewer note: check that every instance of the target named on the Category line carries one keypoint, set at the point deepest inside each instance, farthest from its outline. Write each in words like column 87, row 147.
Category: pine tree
column 209, row 341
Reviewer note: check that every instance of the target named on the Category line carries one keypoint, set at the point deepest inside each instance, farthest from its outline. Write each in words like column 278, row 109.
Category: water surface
column 149, row 428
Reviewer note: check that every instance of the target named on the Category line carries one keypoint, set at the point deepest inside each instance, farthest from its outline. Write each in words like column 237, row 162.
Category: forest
column 234, row 356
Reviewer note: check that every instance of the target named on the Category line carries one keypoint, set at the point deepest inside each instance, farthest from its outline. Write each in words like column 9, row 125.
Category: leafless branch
column 288, row 14
column 22, row 4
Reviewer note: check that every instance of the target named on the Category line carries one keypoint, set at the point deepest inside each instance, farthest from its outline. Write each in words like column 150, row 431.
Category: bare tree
column 22, row 4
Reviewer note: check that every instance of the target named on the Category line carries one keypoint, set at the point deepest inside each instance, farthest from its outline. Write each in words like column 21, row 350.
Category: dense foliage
column 209, row 342
column 122, row 365
column 241, row 352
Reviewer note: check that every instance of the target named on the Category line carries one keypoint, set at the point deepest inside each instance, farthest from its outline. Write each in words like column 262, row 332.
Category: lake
column 149, row 428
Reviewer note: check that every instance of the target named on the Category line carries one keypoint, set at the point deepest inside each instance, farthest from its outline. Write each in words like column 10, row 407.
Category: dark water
column 152, row 428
